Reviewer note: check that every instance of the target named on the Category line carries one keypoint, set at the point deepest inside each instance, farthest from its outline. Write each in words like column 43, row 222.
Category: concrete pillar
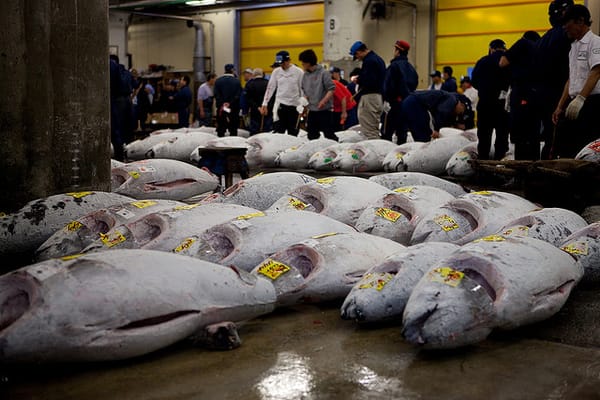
column 54, row 107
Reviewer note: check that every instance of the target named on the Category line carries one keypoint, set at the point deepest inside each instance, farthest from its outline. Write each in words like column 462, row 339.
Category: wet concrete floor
column 308, row 352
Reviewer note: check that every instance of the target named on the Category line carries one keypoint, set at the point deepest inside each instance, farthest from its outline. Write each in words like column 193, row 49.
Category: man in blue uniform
column 449, row 84
column 492, row 82
column 183, row 100
column 228, row 91
column 401, row 79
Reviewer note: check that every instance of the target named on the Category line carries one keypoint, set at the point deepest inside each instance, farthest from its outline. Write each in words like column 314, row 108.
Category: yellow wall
column 464, row 28
column 264, row 32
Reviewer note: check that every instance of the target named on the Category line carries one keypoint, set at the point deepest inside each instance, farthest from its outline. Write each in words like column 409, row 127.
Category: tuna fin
column 219, row 336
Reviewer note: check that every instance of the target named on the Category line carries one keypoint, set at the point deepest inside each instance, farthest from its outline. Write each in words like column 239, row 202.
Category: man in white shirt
column 580, row 100
column 286, row 82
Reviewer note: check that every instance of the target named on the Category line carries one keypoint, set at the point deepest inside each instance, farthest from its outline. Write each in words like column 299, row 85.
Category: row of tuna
column 132, row 276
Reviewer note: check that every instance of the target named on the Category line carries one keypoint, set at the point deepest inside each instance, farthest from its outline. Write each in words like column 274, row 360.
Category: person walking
column 205, row 100
column 370, row 82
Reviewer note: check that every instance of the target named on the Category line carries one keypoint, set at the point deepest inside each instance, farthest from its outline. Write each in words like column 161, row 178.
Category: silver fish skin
column 496, row 282
column 433, row 156
column 322, row 159
column 180, row 147
column 395, row 215
column 263, row 148
column 363, row 156
column 296, row 157
column 162, row 179
column 458, row 165
column 584, row 246
column 552, row 225
column 225, row 141
column 383, row 291
column 173, row 230
column 25, row 230
column 395, row 180
column 323, row 268
column 118, row 305
column 81, row 232
column 391, row 161
column 470, row 217
column 352, row 135
column 260, row 191
column 138, row 149
column 246, row 242
column 342, row 198
column 591, row 152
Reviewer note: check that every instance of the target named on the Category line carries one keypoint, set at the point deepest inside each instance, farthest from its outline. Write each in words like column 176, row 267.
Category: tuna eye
column 480, row 279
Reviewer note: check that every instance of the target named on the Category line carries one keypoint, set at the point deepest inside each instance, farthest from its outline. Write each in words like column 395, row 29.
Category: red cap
column 402, row 45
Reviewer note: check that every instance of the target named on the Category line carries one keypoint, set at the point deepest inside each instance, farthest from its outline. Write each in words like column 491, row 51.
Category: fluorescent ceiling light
column 201, row 2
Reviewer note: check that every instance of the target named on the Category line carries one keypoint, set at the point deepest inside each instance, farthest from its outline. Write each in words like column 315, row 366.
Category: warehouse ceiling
column 182, row 7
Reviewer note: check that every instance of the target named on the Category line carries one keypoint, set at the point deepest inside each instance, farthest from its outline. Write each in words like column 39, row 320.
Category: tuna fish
column 363, row 156
column 392, row 159
column 296, row 157
column 225, row 141
column 180, row 147
column 496, row 282
column 342, row 198
column 433, row 156
column 458, row 165
column 263, row 148
column 470, row 217
column 448, row 131
column 395, row 215
column 116, row 163
column 25, row 230
column 247, row 241
column 81, row 232
column 552, row 225
column 323, row 268
column 138, row 149
column 174, row 230
column 118, row 305
column 351, row 135
column 162, row 179
column 584, row 246
column 322, row 160
column 399, row 179
column 383, row 291
column 262, row 190
column 591, row 152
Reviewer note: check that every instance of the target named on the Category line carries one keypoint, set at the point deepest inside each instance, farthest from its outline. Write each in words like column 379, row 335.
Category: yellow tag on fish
column 113, row 239
column 404, row 189
column 73, row 226
column 483, row 193
column 446, row 275
column 252, row 215
column 134, row 174
column 186, row 244
column 576, row 248
column 375, row 280
column 446, row 222
column 273, row 269
column 518, row 231
column 323, row 235
column 78, row 195
column 326, row 181
column 399, row 156
column 388, row 214
column 143, row 203
column 259, row 174
column 491, row 238
column 71, row 257
column 186, row 207
column 298, row 204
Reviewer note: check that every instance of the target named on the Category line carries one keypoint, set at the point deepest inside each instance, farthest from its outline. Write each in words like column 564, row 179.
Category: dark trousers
column 392, row 123
column 490, row 116
column 318, row 121
column 548, row 98
column 288, row 120
column 574, row 135
column 524, row 125
column 259, row 123
column 415, row 119
column 228, row 121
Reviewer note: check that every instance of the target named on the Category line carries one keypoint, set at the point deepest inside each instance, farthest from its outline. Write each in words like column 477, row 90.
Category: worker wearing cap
column 370, row 83
column 286, row 82
column 436, row 80
column 401, row 79
column 580, row 101
column 492, row 83
column 552, row 69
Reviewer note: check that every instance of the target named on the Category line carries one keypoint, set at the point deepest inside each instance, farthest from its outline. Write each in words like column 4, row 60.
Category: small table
column 225, row 161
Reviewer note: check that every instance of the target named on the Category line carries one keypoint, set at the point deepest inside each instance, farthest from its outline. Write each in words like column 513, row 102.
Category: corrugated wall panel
column 264, row 32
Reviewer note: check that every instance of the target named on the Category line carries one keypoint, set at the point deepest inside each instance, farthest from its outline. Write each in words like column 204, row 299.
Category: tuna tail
column 413, row 331
column 350, row 311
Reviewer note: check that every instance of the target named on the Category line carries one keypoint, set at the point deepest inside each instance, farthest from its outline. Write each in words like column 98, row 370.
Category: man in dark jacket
column 255, row 92
column 401, row 79
column 449, row 84
column 228, row 90
column 425, row 112
column 183, row 100
column 492, row 82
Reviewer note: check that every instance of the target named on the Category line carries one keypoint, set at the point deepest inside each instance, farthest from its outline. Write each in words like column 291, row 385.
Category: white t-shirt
column 584, row 55
column 288, row 83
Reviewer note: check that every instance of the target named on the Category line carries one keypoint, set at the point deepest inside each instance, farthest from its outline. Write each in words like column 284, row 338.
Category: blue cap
column 357, row 45
column 282, row 56
column 229, row 67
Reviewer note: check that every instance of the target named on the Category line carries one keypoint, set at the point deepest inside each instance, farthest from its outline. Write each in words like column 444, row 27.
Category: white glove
column 303, row 101
column 300, row 109
column 386, row 107
column 574, row 107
